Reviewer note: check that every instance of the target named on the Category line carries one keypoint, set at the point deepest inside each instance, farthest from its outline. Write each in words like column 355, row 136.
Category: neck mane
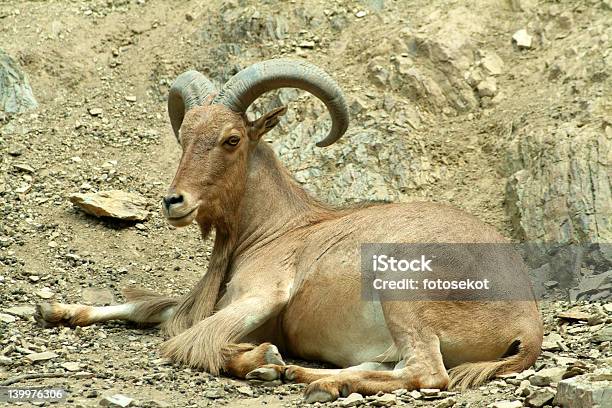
column 273, row 202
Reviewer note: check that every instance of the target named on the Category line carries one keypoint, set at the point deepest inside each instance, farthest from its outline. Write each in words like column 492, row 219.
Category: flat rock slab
column 117, row 401
column 586, row 391
column 24, row 311
column 112, row 203
column 352, row 400
column 547, row 376
column 575, row 315
column 97, row 296
column 44, row 356
column 7, row 318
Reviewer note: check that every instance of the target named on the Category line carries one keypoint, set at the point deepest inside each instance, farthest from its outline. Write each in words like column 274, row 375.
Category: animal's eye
column 232, row 141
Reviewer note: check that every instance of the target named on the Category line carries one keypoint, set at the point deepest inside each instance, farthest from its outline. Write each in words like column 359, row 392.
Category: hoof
column 264, row 374
column 272, row 356
column 48, row 315
column 325, row 390
column 291, row 373
column 318, row 395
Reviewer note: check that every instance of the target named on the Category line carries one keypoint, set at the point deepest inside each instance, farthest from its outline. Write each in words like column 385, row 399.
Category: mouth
column 183, row 220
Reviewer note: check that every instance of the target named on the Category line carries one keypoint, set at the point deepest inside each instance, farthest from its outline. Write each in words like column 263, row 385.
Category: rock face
column 113, row 203
column 586, row 391
column 15, row 92
column 560, row 189
column 559, row 194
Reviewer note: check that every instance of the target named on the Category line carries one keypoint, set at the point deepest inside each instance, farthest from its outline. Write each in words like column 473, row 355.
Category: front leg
column 208, row 344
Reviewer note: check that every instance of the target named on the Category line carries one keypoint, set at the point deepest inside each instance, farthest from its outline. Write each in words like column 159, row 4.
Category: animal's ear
column 264, row 124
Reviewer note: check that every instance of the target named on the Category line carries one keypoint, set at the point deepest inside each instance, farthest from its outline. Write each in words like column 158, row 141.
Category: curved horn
column 250, row 83
column 188, row 90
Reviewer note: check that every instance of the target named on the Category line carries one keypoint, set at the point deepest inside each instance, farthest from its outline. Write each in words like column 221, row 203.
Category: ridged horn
column 250, row 83
column 188, row 91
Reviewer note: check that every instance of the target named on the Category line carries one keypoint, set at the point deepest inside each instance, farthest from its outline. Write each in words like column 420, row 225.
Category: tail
column 521, row 354
column 149, row 307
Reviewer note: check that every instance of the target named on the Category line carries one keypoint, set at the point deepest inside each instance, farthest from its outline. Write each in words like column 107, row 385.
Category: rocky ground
column 450, row 102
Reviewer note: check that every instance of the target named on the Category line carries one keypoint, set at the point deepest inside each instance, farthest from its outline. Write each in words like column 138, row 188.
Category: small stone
column 189, row 17
column 95, row 111
column 5, row 361
column 522, row 39
column 352, row 400
column 551, row 284
column 552, row 342
column 44, row 356
column 34, row 278
column 523, row 389
column 159, row 404
column 488, row 87
column 7, row 318
column 15, row 151
column 214, row 394
column 307, row 44
column 71, row 366
column 541, row 397
column 76, row 159
column 574, row 315
column 361, row 14
column 23, row 188
column 97, row 296
column 24, row 167
column 141, row 227
column 357, row 106
column 492, row 63
column 415, row 394
column 430, row 392
column 83, row 375
column 605, row 334
column 507, row 404
column 130, row 98
column 117, row 400
column 385, row 400
column 446, row 403
column 523, row 375
column 21, row 311
column 91, row 394
column 547, row 376
column 608, row 307
column 245, row 390
column 113, row 203
column 45, row 293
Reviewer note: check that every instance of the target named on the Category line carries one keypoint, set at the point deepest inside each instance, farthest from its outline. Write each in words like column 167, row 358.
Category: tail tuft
column 470, row 375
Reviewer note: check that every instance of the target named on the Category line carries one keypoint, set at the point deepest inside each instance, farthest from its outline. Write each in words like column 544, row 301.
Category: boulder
column 592, row 390
column 15, row 91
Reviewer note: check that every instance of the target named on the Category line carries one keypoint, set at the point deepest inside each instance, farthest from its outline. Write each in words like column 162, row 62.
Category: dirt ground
column 120, row 57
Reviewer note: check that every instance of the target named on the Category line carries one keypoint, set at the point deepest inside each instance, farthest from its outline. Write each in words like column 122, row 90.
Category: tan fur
column 285, row 269
column 202, row 345
column 147, row 303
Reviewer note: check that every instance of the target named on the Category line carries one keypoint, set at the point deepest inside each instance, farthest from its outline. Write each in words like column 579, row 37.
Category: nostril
column 173, row 199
